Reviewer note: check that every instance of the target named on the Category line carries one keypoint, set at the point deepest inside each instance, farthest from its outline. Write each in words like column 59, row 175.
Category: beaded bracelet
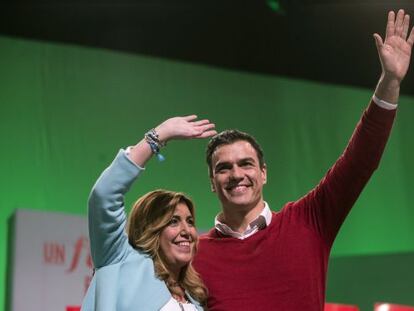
column 152, row 138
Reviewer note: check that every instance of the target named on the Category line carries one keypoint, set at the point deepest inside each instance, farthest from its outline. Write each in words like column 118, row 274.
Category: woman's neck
column 176, row 290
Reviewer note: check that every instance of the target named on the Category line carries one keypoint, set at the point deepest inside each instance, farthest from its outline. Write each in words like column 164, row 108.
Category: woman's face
column 178, row 239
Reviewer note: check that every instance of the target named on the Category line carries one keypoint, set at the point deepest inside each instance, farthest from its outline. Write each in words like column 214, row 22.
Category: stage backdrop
column 65, row 112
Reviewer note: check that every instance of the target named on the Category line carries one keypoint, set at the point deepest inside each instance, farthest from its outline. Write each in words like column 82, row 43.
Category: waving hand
column 395, row 50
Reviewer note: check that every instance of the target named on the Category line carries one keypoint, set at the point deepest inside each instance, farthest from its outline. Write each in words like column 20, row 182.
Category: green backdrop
column 65, row 111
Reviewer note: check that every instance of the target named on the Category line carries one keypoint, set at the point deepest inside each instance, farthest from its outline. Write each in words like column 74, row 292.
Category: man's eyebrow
column 228, row 163
column 248, row 159
column 221, row 164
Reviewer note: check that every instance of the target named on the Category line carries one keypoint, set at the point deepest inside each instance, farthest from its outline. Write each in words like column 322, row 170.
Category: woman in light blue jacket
column 144, row 263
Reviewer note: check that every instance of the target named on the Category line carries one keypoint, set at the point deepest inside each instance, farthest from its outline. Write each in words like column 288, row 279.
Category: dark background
column 326, row 41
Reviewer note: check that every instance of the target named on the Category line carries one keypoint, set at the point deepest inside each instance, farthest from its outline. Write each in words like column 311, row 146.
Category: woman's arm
column 107, row 217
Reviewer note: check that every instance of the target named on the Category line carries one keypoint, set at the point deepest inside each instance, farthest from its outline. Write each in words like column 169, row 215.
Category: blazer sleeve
column 106, row 211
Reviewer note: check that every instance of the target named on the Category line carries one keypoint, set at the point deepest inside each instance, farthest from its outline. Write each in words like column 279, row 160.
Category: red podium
column 392, row 307
column 340, row 307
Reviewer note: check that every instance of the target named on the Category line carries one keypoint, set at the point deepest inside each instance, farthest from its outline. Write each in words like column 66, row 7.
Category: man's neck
column 238, row 218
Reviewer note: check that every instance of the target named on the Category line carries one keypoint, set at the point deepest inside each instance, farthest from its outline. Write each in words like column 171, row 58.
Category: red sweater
column 283, row 267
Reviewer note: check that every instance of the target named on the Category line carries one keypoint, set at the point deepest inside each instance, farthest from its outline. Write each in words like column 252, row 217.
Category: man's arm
column 326, row 206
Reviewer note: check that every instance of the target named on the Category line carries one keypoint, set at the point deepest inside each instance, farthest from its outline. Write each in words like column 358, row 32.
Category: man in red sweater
column 255, row 259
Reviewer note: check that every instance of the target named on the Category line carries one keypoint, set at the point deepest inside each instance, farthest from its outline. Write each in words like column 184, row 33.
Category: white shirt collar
column 251, row 229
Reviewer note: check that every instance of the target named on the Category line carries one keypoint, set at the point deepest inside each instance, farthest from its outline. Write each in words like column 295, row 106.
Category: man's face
column 236, row 175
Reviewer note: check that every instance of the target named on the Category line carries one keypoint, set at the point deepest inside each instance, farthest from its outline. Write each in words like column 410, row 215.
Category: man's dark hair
column 228, row 137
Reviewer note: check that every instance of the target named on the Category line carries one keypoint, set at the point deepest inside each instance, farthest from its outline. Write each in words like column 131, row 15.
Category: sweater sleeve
column 325, row 207
column 106, row 211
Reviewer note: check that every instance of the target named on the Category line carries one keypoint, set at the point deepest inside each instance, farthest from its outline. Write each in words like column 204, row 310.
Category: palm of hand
column 395, row 56
column 186, row 127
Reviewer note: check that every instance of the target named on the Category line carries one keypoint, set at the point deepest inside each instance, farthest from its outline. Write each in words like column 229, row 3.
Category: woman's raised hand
column 186, row 127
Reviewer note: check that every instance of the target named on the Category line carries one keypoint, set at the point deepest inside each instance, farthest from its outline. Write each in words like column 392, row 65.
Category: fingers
column 205, row 130
column 192, row 128
column 406, row 26
column 207, row 127
column 378, row 41
column 399, row 23
column 410, row 39
column 190, row 117
column 390, row 30
column 201, row 122
column 202, row 125
column 208, row 134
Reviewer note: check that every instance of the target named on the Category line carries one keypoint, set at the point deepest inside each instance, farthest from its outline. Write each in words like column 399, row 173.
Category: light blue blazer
column 124, row 278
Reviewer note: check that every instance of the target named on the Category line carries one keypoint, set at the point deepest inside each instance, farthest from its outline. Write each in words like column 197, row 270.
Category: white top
column 174, row 305
column 260, row 222
column 384, row 104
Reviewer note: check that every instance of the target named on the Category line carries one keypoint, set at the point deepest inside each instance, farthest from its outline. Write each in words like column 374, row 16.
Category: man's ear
column 210, row 174
column 213, row 188
column 264, row 173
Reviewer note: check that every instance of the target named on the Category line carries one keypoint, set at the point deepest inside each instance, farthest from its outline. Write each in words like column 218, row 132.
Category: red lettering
column 54, row 253
column 89, row 262
column 81, row 244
